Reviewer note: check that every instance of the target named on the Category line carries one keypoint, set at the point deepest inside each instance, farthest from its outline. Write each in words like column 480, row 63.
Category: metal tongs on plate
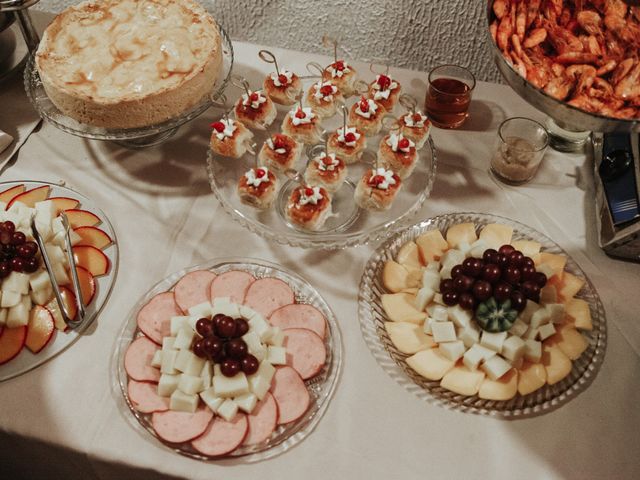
column 71, row 323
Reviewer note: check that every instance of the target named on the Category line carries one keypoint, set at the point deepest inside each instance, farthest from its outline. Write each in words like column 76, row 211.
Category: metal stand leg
column 28, row 30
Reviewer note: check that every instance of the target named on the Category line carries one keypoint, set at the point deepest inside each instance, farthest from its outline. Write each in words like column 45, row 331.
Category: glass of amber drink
column 449, row 95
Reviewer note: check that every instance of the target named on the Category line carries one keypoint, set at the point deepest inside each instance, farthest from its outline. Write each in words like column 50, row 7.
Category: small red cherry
column 218, row 126
column 339, row 65
column 300, row 113
column 384, row 82
column 417, row 117
column 254, row 97
column 376, row 180
column 283, row 79
column 364, row 105
column 403, row 143
column 326, row 90
column 278, row 142
column 308, row 191
column 260, row 172
column 350, row 137
column 327, row 160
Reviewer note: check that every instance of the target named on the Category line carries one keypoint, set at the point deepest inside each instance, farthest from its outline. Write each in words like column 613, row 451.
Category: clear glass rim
column 433, row 72
column 535, row 150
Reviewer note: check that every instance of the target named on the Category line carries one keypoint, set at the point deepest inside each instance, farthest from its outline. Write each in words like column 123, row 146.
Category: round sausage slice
column 193, row 289
column 145, row 398
column 299, row 315
column 232, row 284
column 262, row 421
column 268, row 294
column 290, row 393
column 306, row 352
column 177, row 427
column 221, row 436
column 137, row 360
column 154, row 319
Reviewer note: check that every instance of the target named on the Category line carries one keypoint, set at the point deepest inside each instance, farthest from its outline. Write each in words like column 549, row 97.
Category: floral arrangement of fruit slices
column 482, row 314
column 29, row 312
column 220, row 361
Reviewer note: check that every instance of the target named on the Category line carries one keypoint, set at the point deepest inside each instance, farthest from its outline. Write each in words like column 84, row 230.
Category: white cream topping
column 339, row 73
column 342, row 134
column 373, row 107
column 229, row 128
column 255, row 104
column 409, row 121
column 383, row 93
column 313, row 199
column 327, row 166
column 388, row 178
column 308, row 116
column 393, row 140
column 253, row 179
column 276, row 78
column 271, row 145
column 319, row 95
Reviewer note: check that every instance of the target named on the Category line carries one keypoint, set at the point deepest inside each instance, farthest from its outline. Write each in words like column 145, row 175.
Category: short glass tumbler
column 449, row 95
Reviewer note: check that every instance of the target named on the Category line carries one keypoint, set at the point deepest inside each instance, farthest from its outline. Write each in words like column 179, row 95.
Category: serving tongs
column 71, row 323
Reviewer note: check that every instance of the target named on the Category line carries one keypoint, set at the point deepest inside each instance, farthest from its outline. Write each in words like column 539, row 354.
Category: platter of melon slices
column 483, row 314
column 231, row 358
column 32, row 328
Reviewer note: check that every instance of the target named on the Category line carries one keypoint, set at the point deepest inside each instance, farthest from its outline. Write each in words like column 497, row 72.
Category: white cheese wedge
column 230, row 386
column 246, row 402
column 202, row 310
column 190, row 384
column 493, row 341
column 18, row 315
column 495, row 367
column 431, row 279
column 470, row 335
column 459, row 316
column 276, row 355
column 183, row 402
column 407, row 337
column 17, row 282
column 206, row 374
column 424, row 297
column 168, row 361
column 194, row 365
column 540, row 317
column 182, row 359
column 209, row 397
column 518, row 328
column 556, row 312
column 184, row 338
column 513, row 349
column 443, row 332
column 228, row 409
column 430, row 364
column 462, row 380
column 476, row 355
column 546, row 331
column 452, row 350
column 156, row 361
column 529, row 309
column 38, row 281
column 168, row 343
column 10, row 299
column 254, row 345
column 167, row 384
column 177, row 323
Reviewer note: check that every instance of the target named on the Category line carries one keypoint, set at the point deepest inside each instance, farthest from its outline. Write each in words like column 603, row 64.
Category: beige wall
column 416, row 34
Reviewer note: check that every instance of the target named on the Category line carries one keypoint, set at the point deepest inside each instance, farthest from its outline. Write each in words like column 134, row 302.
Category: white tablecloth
column 64, row 417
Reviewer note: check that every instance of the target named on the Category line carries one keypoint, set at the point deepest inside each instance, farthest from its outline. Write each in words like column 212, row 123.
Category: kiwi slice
column 496, row 317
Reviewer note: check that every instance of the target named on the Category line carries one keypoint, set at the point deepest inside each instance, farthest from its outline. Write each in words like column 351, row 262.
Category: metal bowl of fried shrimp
column 575, row 60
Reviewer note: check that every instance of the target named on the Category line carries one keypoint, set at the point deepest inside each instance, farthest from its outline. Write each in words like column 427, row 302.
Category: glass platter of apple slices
column 521, row 361
column 188, row 401
column 32, row 330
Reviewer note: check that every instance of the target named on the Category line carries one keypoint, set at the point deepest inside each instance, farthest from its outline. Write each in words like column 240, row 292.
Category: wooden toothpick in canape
column 283, row 86
column 254, row 108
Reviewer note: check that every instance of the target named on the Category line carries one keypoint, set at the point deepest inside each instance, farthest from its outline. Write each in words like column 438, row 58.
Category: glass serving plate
column 372, row 318
column 26, row 361
column 321, row 387
column 349, row 226
column 131, row 137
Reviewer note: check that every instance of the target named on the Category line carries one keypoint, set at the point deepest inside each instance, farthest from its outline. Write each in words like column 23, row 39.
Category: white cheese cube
column 60, row 274
column 424, row 297
column 209, row 397
column 184, row 338
column 42, row 297
column 276, row 355
column 217, row 370
column 56, row 225
column 545, row 331
column 228, row 409
column 168, row 343
column 266, row 371
column 156, row 361
column 433, row 266
column 465, row 248
column 529, row 309
column 533, row 350
column 56, row 254
column 431, row 279
column 45, row 211
column 459, row 316
column 17, row 282
column 230, row 386
column 443, row 332
column 246, row 402
column 470, row 335
column 475, row 355
column 426, row 326
column 182, row 359
column 540, row 317
column 168, row 361
column 177, row 323
column 10, row 299
column 225, row 307
column 556, row 312
column 493, row 341
column 452, row 256
column 276, row 337
column 183, row 402
column 167, row 384
column 518, row 328
column 437, row 298
column 477, row 248
column 194, row 365
column 190, row 384
column 247, row 312
column 259, row 325
column 439, row 313
column 531, row 333
column 266, row 336
column 18, row 315
column 546, row 269
column 513, row 348
column 452, row 350
column 259, row 386
column 496, row 367
column 206, row 374
column 202, row 310
column 254, row 345
column 39, row 281
column 74, row 237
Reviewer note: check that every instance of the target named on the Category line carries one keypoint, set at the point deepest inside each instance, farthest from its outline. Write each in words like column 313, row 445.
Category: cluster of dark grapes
column 16, row 253
column 505, row 274
column 221, row 343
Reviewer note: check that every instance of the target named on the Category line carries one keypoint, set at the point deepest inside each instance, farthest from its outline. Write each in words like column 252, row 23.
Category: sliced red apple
column 12, row 342
column 40, row 329
column 81, row 218
column 31, row 197
column 69, row 300
column 87, row 284
column 8, row 194
column 64, row 203
column 92, row 259
column 93, row 237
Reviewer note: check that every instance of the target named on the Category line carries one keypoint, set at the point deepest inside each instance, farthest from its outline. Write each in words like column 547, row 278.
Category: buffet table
column 68, row 417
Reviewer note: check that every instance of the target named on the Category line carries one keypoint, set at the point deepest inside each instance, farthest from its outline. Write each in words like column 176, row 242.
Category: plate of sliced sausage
column 233, row 358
